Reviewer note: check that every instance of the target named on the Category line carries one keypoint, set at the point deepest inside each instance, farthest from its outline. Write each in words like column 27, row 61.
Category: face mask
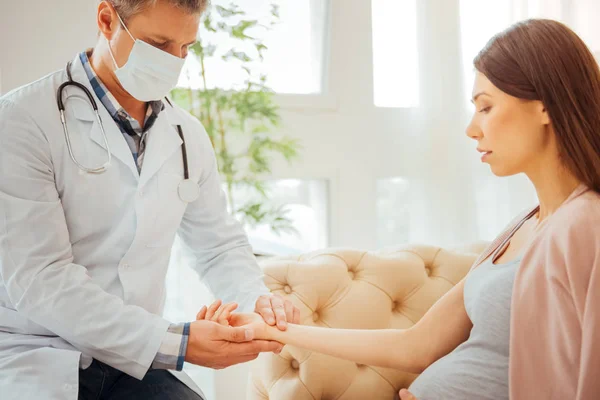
column 150, row 73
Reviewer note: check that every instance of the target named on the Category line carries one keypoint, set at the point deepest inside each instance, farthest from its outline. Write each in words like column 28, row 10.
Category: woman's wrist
column 280, row 336
column 270, row 332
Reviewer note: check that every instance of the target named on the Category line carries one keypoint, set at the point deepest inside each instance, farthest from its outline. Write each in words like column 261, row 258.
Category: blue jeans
column 102, row 382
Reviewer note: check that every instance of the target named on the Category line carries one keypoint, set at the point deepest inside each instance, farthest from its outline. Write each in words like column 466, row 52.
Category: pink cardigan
column 555, row 314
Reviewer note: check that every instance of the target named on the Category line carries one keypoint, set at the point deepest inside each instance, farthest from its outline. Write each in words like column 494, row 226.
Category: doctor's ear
column 108, row 22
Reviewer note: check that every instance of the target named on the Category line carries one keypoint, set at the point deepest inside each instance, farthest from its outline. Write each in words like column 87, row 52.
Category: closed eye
column 158, row 44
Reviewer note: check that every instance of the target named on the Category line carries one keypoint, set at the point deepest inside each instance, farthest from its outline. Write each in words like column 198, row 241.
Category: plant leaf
column 229, row 12
column 238, row 31
column 239, row 55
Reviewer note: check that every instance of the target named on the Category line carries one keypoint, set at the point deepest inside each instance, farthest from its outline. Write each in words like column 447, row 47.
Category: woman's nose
column 473, row 131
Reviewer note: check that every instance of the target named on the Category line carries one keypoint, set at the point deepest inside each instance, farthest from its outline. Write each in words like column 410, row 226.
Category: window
column 393, row 212
column 395, row 57
column 294, row 60
column 306, row 204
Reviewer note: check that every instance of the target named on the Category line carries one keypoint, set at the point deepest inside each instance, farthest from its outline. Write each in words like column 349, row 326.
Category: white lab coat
column 83, row 257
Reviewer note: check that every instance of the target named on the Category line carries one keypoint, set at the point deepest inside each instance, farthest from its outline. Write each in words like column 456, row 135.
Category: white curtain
column 455, row 198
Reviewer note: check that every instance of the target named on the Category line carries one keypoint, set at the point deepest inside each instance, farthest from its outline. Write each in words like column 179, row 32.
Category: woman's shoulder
column 572, row 235
column 578, row 215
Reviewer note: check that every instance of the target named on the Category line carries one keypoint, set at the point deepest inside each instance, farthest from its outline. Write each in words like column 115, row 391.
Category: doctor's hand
column 216, row 346
column 222, row 313
column 406, row 395
column 217, row 312
column 276, row 311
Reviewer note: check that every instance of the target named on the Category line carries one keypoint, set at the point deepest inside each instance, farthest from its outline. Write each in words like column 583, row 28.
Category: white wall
column 38, row 37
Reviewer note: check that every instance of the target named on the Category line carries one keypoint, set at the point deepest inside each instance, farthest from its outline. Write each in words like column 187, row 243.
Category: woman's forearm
column 445, row 326
column 388, row 348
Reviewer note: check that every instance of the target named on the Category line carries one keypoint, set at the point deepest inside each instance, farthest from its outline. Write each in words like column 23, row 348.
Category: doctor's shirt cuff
column 171, row 354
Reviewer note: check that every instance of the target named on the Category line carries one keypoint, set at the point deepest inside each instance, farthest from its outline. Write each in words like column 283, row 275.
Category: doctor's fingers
column 224, row 311
column 214, row 316
column 225, row 314
column 202, row 313
column 212, row 309
column 238, row 341
column 230, row 334
column 255, row 347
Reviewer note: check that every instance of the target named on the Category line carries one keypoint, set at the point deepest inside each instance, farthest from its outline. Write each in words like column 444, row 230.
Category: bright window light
column 306, row 203
column 479, row 21
column 293, row 61
column 395, row 57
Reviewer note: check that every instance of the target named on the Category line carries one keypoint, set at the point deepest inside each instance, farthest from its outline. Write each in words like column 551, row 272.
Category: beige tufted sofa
column 340, row 288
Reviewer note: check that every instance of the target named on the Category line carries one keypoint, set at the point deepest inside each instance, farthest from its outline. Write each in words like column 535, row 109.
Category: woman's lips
column 484, row 154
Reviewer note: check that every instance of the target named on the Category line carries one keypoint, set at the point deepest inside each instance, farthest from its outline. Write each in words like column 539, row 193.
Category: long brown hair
column 540, row 59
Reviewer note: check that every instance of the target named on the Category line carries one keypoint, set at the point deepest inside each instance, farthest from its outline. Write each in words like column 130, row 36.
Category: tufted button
column 428, row 271
column 287, row 289
column 351, row 274
column 396, row 306
column 316, row 317
column 295, row 364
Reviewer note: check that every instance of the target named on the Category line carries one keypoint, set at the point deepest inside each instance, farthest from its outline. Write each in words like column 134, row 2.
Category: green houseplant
column 243, row 123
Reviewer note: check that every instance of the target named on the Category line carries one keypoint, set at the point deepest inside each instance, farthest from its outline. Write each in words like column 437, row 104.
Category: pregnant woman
column 523, row 322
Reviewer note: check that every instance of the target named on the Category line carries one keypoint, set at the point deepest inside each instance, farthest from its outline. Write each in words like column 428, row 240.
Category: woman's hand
column 277, row 311
column 256, row 322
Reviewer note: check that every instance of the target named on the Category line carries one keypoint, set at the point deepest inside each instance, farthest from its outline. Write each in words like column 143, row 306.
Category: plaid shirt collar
column 126, row 122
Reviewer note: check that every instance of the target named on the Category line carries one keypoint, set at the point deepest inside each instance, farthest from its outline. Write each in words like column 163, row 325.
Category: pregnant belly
column 464, row 375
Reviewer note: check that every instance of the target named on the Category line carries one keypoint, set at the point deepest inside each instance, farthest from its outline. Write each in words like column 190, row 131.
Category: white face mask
column 149, row 73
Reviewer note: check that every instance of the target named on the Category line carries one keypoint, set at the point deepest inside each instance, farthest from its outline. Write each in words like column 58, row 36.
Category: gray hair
column 129, row 8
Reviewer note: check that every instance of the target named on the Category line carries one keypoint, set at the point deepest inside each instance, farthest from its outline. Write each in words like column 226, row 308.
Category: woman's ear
column 545, row 117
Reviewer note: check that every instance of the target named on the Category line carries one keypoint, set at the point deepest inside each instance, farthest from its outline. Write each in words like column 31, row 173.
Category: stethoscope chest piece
column 189, row 190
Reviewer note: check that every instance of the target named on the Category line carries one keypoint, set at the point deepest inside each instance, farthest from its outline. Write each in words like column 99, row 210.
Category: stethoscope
column 188, row 190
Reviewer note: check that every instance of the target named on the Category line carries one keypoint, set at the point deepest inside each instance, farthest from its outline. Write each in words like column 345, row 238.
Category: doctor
column 89, row 210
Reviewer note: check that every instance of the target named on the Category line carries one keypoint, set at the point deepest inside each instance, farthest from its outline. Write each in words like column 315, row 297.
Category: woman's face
column 512, row 134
